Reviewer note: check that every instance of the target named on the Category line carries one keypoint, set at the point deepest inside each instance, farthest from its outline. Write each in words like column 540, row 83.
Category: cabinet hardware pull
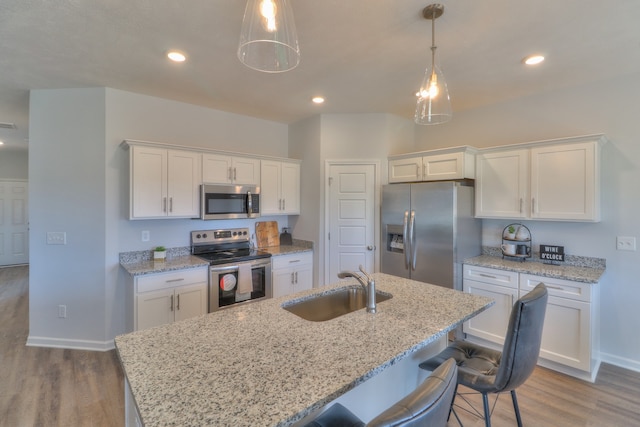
column 294, row 260
column 283, row 203
column 178, row 303
column 521, row 204
column 170, row 204
column 164, row 204
column 174, row 280
column 171, row 302
column 229, row 173
column 487, row 275
column 417, row 171
column 533, row 205
column 292, row 282
column 235, row 174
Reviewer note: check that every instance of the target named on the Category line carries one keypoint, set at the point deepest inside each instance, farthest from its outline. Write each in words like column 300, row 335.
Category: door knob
column 370, row 248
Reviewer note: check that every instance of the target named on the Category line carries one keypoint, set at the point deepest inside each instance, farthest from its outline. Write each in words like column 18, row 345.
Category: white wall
column 609, row 108
column 14, row 164
column 79, row 184
column 67, row 194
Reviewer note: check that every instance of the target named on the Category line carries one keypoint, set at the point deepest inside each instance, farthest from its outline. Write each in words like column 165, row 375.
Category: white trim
column 70, row 343
column 622, row 362
column 377, row 197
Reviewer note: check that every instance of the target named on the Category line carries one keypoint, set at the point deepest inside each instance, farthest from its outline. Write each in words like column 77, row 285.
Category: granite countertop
column 142, row 267
column 286, row 249
column 260, row 365
column 566, row 272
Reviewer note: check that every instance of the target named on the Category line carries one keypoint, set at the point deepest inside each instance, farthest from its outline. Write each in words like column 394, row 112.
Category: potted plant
column 159, row 253
column 511, row 232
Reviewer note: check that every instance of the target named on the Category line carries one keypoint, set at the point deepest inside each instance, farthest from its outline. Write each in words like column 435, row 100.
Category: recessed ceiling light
column 1, row 143
column 176, row 56
column 533, row 59
column 317, row 99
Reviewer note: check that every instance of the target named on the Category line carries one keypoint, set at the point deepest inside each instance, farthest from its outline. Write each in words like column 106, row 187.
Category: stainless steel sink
column 334, row 304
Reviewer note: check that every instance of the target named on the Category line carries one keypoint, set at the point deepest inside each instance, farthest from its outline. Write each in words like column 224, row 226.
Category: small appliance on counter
column 285, row 237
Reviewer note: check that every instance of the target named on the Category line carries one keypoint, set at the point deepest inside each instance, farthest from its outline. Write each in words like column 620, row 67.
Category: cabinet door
column 154, row 308
column 270, row 201
column 282, row 282
column 183, row 183
column 191, row 301
column 405, row 170
column 491, row 324
column 502, row 181
column 290, row 188
column 148, row 191
column 440, row 167
column 246, row 171
column 216, row 169
column 564, row 182
column 303, row 278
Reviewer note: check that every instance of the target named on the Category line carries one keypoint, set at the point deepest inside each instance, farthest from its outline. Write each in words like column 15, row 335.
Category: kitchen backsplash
column 572, row 260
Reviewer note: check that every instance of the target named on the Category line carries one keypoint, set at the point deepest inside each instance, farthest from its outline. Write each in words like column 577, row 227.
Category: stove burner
column 224, row 246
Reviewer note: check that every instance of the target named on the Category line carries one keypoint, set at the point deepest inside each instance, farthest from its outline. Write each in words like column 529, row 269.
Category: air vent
column 7, row 125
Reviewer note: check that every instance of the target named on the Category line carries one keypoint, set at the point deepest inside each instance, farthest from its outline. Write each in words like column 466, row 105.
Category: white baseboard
column 70, row 344
column 622, row 362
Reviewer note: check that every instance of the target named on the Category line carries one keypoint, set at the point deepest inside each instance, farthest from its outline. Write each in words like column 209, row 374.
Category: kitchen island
column 260, row 365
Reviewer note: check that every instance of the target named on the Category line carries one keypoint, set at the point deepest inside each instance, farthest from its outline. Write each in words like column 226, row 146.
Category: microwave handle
column 249, row 204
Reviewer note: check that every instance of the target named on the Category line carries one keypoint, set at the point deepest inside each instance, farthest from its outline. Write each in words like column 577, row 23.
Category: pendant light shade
column 268, row 40
column 434, row 105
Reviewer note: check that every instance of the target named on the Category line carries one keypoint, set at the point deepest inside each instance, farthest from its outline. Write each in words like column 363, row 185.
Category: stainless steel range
column 238, row 273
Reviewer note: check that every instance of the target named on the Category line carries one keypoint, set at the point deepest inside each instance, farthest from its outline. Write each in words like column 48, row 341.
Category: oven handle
column 249, row 204
column 236, row 266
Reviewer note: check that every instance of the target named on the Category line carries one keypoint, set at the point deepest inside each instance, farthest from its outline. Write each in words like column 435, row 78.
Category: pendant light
column 434, row 105
column 268, row 39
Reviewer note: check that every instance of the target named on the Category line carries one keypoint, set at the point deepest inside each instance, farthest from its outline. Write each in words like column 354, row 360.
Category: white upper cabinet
column 164, row 183
column 279, row 188
column 502, row 184
column 557, row 180
column 222, row 169
column 565, row 182
column 436, row 165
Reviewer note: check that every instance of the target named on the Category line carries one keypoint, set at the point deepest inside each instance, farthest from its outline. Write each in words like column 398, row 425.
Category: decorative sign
column 551, row 253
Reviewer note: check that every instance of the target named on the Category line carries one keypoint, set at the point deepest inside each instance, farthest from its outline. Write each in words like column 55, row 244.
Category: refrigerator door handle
column 405, row 240
column 414, row 247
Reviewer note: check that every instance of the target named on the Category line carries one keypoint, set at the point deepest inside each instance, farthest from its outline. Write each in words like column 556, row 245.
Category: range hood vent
column 7, row 125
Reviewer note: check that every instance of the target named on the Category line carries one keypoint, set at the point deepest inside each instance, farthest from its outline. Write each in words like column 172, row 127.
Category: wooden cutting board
column 267, row 234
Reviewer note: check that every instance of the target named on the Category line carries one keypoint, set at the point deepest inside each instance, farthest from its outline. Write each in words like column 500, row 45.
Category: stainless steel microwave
column 229, row 201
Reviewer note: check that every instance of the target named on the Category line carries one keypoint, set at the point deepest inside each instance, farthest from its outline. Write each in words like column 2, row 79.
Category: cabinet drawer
column 491, row 275
column 154, row 282
column 557, row 287
column 294, row 260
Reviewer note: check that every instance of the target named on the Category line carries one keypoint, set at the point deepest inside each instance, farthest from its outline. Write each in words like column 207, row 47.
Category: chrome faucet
column 367, row 283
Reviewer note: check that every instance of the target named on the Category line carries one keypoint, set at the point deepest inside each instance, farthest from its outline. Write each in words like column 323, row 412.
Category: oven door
column 231, row 284
column 229, row 201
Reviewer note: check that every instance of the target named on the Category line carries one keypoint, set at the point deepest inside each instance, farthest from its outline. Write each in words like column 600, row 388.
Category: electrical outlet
column 145, row 235
column 62, row 311
column 56, row 238
column 625, row 243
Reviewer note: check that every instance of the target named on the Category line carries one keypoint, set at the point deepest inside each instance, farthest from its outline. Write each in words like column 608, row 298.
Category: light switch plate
column 626, row 243
column 145, row 236
column 56, row 238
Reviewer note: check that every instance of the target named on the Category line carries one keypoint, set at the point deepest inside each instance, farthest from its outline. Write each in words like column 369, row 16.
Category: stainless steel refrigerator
column 428, row 230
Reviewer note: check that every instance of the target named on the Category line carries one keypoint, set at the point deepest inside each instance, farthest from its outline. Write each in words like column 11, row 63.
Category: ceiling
column 364, row 56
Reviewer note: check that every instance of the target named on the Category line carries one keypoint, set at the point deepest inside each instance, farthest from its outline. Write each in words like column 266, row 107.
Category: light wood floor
column 54, row 387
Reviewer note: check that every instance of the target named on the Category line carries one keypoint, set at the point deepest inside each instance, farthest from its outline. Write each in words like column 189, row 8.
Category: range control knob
column 204, row 236
column 197, row 236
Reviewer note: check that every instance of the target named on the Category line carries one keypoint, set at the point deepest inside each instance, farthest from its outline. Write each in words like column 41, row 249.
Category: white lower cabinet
column 570, row 337
column 291, row 273
column 167, row 297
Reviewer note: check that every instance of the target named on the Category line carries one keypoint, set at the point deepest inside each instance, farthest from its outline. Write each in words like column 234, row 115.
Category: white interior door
column 14, row 227
column 352, row 218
